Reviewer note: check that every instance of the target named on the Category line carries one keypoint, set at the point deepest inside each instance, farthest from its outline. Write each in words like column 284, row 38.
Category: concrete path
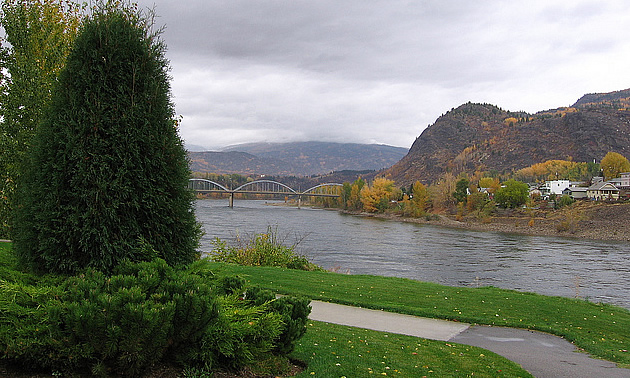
column 426, row 328
column 541, row 354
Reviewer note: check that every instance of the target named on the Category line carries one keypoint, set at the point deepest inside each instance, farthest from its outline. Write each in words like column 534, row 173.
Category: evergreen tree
column 108, row 173
column 461, row 190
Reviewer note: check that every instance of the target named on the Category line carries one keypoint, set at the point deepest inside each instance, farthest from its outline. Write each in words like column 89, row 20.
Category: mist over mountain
column 472, row 137
column 296, row 159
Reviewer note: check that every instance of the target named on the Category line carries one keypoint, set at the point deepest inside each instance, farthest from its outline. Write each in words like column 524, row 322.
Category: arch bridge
column 264, row 187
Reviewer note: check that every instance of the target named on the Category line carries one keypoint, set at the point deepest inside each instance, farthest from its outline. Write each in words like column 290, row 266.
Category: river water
column 589, row 269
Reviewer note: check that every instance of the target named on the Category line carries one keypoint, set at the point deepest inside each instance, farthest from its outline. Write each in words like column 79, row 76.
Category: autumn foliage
column 613, row 164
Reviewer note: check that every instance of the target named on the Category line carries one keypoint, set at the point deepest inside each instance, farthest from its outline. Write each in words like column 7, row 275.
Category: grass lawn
column 335, row 351
column 600, row 329
column 339, row 351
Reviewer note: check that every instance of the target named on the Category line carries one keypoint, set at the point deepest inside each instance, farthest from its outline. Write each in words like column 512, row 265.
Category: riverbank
column 600, row 329
column 588, row 220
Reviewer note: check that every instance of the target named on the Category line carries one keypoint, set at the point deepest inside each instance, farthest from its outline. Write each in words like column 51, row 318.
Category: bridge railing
column 203, row 185
column 264, row 187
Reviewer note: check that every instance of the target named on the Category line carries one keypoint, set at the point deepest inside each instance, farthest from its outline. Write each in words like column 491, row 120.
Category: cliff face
column 486, row 138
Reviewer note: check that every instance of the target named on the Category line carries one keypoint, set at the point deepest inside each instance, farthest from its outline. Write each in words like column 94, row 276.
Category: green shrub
column 107, row 171
column 563, row 201
column 25, row 328
column 126, row 322
column 241, row 335
column 143, row 313
column 262, row 250
column 294, row 312
column 294, row 315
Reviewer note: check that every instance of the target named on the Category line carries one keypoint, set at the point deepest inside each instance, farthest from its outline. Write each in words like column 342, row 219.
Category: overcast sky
column 380, row 71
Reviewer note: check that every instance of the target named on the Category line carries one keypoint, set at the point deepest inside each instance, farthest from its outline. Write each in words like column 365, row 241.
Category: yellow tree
column 613, row 164
column 442, row 192
column 37, row 40
column 376, row 198
column 554, row 169
column 492, row 184
column 420, row 199
column 354, row 200
column 511, row 121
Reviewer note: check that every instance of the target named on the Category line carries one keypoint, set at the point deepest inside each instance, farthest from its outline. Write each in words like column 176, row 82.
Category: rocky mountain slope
column 486, row 138
column 296, row 159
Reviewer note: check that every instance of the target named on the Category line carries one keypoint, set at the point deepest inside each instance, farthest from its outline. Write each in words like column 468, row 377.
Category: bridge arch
column 271, row 187
column 259, row 187
column 313, row 189
column 193, row 181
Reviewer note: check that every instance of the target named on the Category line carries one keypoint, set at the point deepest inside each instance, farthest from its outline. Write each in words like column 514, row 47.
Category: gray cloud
column 380, row 71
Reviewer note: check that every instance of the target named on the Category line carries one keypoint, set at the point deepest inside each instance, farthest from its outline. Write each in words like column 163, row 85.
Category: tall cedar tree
column 108, row 175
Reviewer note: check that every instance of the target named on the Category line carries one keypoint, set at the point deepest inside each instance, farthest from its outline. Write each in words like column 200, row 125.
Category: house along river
column 595, row 270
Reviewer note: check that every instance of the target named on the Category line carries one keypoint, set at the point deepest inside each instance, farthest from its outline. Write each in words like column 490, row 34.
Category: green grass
column 339, row 351
column 336, row 351
column 600, row 329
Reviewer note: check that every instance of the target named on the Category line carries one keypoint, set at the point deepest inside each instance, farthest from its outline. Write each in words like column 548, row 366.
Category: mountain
column 484, row 137
column 233, row 162
column 194, row 147
column 296, row 159
column 618, row 98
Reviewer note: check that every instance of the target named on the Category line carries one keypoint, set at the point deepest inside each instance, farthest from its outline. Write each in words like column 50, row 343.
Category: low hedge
column 142, row 314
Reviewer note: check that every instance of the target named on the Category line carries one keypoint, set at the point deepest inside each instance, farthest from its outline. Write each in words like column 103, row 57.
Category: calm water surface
column 595, row 270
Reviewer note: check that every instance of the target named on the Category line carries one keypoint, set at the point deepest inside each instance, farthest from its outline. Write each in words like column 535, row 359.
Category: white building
column 621, row 182
column 554, row 187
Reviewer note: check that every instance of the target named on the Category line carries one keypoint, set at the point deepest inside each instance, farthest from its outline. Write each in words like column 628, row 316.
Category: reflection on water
column 589, row 269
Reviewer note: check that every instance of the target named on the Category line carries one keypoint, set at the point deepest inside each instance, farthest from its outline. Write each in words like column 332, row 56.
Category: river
column 590, row 269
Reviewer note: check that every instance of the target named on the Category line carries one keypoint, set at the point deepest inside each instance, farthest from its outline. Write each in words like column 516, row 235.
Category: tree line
column 478, row 193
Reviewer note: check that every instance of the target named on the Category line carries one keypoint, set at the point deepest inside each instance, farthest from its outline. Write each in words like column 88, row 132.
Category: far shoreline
column 596, row 221
column 604, row 221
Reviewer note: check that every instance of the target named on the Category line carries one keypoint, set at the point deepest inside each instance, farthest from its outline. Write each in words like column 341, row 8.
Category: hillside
column 234, row 162
column 486, row 138
column 617, row 99
column 296, row 159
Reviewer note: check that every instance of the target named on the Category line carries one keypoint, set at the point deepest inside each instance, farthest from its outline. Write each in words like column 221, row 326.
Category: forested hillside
column 483, row 137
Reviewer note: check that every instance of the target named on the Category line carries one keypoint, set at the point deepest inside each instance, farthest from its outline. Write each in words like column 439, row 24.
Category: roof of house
column 577, row 189
column 601, row 185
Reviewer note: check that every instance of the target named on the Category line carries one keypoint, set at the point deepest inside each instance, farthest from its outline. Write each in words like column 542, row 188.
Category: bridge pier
column 231, row 201
column 299, row 202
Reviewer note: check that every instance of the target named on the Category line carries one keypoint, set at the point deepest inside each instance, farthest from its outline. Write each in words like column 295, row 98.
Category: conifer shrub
column 107, row 173
column 293, row 310
column 144, row 313
column 294, row 313
column 242, row 334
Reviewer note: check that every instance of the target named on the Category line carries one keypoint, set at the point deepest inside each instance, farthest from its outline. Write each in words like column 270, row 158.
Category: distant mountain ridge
column 482, row 137
column 296, row 159
column 620, row 97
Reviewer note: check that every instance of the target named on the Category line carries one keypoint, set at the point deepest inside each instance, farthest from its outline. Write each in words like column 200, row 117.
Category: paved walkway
column 541, row 354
